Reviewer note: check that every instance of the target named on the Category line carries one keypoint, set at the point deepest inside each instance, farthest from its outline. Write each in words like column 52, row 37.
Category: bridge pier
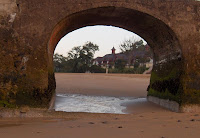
column 30, row 31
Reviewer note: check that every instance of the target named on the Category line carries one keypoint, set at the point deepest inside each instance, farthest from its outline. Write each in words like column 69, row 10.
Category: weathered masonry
column 31, row 29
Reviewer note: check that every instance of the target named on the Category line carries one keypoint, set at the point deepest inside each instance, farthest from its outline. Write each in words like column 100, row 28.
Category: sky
column 106, row 37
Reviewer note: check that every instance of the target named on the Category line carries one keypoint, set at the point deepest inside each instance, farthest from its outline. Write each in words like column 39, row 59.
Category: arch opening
column 167, row 69
column 85, row 91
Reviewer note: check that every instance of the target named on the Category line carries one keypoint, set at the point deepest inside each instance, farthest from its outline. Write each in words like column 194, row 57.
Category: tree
column 59, row 62
column 80, row 57
column 130, row 46
column 97, row 69
column 127, row 46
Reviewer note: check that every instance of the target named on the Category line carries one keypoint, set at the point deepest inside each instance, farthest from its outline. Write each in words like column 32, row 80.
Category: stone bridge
column 31, row 29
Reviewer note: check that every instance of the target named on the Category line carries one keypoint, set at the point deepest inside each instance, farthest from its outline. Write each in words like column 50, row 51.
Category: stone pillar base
column 171, row 105
column 174, row 106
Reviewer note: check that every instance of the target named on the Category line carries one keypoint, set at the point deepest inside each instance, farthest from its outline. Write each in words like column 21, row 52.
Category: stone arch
column 26, row 70
column 155, row 31
column 168, row 65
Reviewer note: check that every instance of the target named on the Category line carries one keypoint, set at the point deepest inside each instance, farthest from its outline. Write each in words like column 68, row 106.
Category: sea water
column 93, row 104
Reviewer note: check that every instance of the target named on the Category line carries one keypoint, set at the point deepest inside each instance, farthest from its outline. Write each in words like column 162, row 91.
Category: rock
column 24, row 109
column 105, row 122
column 192, row 120
column 179, row 121
column 91, row 123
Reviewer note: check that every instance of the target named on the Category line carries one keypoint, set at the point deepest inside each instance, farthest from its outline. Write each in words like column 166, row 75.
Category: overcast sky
column 104, row 36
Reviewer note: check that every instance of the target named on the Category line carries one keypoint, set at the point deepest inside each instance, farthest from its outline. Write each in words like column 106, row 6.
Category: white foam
column 92, row 104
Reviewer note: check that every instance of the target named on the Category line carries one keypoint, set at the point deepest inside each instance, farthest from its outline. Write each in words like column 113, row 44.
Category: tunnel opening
column 167, row 66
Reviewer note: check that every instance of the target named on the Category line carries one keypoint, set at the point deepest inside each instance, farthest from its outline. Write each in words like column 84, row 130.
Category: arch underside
column 165, row 79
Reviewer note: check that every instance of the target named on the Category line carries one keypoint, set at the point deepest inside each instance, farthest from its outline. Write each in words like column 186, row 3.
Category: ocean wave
column 92, row 104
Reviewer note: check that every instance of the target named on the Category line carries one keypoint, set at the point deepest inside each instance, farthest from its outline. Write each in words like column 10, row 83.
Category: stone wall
column 30, row 31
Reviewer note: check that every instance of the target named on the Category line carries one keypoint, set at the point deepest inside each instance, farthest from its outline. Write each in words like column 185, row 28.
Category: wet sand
column 146, row 121
column 155, row 124
column 118, row 85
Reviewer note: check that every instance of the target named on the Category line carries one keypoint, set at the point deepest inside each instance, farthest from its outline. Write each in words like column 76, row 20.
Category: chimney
column 113, row 51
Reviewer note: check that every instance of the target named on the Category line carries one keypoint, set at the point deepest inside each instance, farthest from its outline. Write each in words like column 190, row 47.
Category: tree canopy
column 131, row 45
column 78, row 60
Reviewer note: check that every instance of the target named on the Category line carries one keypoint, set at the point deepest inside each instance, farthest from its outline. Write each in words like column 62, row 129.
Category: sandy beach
column 146, row 120
column 103, row 84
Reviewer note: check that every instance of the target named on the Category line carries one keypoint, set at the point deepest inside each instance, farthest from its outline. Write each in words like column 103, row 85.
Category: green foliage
column 97, row 69
column 166, row 85
column 60, row 63
column 131, row 45
column 136, row 64
column 120, row 64
column 79, row 59
column 164, row 95
column 173, row 74
column 6, row 104
column 138, row 70
column 131, row 48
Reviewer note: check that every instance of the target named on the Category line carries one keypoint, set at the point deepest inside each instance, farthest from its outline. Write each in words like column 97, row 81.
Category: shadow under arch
column 167, row 69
